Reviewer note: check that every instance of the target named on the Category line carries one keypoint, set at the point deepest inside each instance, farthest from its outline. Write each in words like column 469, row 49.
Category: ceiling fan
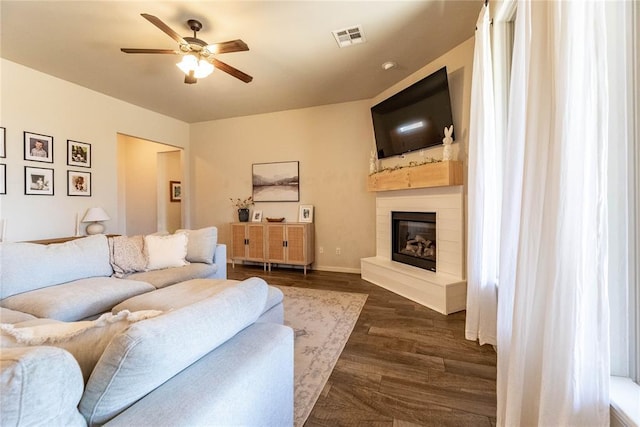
column 197, row 55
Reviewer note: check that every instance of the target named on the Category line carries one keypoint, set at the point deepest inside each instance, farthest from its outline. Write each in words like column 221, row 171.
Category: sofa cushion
column 165, row 251
column 40, row 386
column 150, row 352
column 13, row 316
column 201, row 244
column 189, row 292
column 29, row 266
column 78, row 299
column 127, row 254
column 170, row 276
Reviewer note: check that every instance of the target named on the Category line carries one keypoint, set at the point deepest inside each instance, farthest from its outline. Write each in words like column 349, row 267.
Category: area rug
column 322, row 321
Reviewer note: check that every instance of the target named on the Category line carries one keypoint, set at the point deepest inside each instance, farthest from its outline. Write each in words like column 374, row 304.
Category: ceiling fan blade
column 135, row 50
column 165, row 28
column 227, row 47
column 231, row 70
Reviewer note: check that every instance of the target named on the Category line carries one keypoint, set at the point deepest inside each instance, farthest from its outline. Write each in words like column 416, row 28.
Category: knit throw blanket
column 61, row 331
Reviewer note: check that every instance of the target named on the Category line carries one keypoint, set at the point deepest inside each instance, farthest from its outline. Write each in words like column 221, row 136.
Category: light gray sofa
column 216, row 353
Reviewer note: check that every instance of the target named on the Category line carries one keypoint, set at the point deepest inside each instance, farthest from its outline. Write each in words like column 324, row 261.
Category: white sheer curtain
column 484, row 196
column 553, row 319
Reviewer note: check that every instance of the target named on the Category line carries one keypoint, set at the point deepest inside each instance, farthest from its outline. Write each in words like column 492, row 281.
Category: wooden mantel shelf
column 439, row 174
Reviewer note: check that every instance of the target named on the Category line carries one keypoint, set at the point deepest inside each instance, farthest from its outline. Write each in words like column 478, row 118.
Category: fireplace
column 413, row 237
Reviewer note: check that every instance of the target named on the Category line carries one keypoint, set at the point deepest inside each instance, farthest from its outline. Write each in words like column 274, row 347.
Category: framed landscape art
column 38, row 181
column 38, row 148
column 276, row 182
column 78, row 154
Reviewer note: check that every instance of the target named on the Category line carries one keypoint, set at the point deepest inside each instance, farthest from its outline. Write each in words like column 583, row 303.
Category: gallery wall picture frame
column 3, row 178
column 306, row 213
column 38, row 147
column 78, row 154
column 175, row 191
column 78, row 183
column 3, row 143
column 257, row 216
column 38, row 181
column 276, row 182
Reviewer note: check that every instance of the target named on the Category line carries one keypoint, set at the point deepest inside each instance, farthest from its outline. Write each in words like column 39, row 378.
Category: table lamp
column 94, row 216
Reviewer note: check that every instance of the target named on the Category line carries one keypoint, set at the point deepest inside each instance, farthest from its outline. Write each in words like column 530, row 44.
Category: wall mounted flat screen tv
column 414, row 118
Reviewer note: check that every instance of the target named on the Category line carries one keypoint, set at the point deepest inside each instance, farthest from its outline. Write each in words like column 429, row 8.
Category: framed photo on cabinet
column 306, row 213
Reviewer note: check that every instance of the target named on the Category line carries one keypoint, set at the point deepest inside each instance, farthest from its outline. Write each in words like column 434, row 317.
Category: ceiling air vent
column 349, row 36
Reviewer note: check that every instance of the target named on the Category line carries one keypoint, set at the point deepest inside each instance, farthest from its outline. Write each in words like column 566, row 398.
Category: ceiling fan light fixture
column 204, row 69
column 190, row 65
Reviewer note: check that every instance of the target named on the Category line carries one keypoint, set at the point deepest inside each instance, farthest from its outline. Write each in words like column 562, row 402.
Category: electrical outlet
column 338, row 251
column 321, row 249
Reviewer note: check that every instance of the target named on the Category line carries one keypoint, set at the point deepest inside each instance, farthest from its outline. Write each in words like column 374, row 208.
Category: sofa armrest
column 220, row 260
column 247, row 381
column 40, row 386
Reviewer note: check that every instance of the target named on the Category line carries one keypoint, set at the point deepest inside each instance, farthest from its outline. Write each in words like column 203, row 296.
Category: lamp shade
column 95, row 214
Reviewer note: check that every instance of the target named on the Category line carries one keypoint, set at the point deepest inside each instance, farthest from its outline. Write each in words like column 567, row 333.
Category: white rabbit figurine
column 447, row 152
column 372, row 162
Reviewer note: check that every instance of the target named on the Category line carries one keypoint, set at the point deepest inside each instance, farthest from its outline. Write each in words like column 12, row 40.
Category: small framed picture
column 3, row 179
column 3, row 142
column 306, row 213
column 257, row 216
column 78, row 154
column 38, row 148
column 175, row 191
column 78, row 183
column 38, row 181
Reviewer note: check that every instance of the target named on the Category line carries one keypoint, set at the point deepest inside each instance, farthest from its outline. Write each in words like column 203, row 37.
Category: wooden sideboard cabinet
column 290, row 243
column 247, row 243
column 273, row 243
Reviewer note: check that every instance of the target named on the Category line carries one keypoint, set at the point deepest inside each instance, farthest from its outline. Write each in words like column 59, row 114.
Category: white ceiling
column 293, row 57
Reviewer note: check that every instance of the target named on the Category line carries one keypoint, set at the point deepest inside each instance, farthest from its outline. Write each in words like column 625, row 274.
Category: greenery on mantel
column 409, row 165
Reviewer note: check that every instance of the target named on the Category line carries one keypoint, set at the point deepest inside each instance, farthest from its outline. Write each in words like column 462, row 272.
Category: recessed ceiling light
column 389, row 65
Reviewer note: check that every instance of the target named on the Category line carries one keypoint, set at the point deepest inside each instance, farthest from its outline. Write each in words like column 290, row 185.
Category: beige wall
column 169, row 169
column 148, row 167
column 36, row 102
column 333, row 144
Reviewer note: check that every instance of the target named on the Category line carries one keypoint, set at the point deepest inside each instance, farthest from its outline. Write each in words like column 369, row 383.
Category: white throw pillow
column 201, row 244
column 166, row 251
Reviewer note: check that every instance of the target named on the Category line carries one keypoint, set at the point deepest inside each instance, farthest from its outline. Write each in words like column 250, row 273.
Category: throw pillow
column 166, row 251
column 201, row 244
column 127, row 255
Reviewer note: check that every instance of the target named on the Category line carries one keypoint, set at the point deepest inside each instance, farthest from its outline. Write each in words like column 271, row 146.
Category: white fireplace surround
column 445, row 290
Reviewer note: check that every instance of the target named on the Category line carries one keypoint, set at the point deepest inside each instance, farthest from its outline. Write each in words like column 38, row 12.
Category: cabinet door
column 275, row 243
column 238, row 236
column 255, row 234
column 296, row 244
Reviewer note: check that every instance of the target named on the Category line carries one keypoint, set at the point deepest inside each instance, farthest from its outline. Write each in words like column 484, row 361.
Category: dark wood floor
column 404, row 364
